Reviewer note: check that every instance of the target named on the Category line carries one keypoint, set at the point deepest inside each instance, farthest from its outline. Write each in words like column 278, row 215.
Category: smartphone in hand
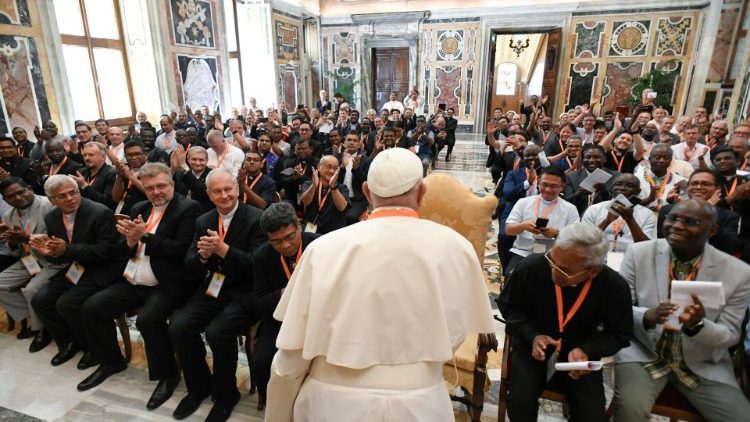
column 541, row 223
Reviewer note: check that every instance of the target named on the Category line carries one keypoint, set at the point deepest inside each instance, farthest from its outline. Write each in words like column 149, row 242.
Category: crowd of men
column 654, row 197
column 197, row 228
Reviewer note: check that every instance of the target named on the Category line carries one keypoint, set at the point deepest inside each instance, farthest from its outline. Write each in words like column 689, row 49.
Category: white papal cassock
column 369, row 317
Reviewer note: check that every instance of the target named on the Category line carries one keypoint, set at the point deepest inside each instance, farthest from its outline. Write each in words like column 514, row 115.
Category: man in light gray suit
column 693, row 356
column 24, row 220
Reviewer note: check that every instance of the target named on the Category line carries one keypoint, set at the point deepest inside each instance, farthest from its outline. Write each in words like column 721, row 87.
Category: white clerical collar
column 198, row 175
column 230, row 214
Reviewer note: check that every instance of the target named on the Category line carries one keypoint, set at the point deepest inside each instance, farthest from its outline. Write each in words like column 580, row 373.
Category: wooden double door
column 390, row 72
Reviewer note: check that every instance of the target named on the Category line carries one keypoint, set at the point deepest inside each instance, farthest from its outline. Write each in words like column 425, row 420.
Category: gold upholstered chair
column 452, row 204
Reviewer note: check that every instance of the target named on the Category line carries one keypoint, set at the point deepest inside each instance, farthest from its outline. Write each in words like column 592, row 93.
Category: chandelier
column 517, row 45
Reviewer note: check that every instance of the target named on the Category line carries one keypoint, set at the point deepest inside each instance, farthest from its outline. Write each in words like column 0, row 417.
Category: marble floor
column 32, row 390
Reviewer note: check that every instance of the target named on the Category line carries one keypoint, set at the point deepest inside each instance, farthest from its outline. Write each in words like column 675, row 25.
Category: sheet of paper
column 596, row 177
column 325, row 128
column 590, row 365
column 622, row 200
column 614, row 260
column 711, row 293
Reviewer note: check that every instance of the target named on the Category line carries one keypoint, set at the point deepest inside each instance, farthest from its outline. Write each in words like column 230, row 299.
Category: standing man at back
column 375, row 334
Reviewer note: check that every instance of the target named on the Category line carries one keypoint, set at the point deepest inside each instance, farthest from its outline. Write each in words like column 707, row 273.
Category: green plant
column 343, row 83
column 658, row 81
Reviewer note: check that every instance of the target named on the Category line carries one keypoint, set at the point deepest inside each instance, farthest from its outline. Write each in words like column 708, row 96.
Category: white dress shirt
column 643, row 216
column 562, row 215
column 144, row 274
column 231, row 159
column 681, row 151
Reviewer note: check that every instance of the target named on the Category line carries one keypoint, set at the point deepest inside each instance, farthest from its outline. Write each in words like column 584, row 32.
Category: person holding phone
column 623, row 219
column 527, row 218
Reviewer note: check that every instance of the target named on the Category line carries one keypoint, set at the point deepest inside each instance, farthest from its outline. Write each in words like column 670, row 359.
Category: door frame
column 366, row 69
column 545, row 22
column 373, row 76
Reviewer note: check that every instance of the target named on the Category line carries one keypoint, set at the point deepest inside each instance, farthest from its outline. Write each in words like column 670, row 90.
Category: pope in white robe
column 374, row 310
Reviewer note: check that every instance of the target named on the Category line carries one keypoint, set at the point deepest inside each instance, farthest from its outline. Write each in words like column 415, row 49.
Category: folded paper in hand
column 711, row 293
column 589, row 365
column 596, row 177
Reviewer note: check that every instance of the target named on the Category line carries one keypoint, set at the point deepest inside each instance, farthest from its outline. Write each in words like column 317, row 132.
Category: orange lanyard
column 255, row 182
column 220, row 230
column 730, row 190
column 322, row 199
column 663, row 186
column 559, row 141
column 69, row 233
column 62, row 163
column 516, row 162
column 619, row 162
column 286, row 268
column 570, row 163
column 576, row 306
column 220, row 160
column 545, row 137
column 547, row 211
column 393, row 213
column 151, row 223
column 690, row 276
column 743, row 167
column 92, row 178
column 617, row 225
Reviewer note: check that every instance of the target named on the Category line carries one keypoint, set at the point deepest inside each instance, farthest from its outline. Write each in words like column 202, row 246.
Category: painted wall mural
column 632, row 47
column 23, row 102
column 15, row 12
column 199, row 79
column 341, row 61
column 192, row 23
column 448, row 63
column 288, row 45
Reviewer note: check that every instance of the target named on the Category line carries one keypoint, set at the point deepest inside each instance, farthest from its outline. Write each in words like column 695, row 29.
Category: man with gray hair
column 375, row 334
column 223, row 155
column 565, row 306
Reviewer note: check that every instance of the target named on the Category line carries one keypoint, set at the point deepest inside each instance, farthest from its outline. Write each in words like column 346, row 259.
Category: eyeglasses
column 158, row 187
column 691, row 222
column 558, row 269
column 697, row 183
column 286, row 239
column 548, row 186
column 66, row 195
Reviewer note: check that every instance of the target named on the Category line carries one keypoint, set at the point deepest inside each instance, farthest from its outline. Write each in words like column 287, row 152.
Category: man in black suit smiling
column 155, row 239
column 223, row 244
column 80, row 233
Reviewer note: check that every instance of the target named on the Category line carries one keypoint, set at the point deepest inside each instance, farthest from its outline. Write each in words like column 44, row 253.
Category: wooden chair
column 451, row 204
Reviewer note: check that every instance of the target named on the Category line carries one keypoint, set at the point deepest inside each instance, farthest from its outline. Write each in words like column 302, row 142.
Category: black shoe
column 25, row 333
column 163, row 392
column 101, row 374
column 223, row 408
column 189, row 404
column 41, row 340
column 65, row 354
column 87, row 361
column 447, row 158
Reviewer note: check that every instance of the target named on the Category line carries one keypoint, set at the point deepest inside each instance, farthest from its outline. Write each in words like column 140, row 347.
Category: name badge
column 131, row 268
column 215, row 286
column 614, row 260
column 31, row 265
column 311, row 228
column 75, row 272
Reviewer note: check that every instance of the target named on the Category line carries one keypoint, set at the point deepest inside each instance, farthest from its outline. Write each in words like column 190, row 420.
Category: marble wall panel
column 448, row 86
column 289, row 83
column 24, row 101
column 618, row 83
column 287, row 40
column 344, row 49
column 199, row 81
column 672, row 35
column 629, row 38
column 588, row 39
column 723, row 45
column 192, row 23
column 15, row 12
column 580, row 83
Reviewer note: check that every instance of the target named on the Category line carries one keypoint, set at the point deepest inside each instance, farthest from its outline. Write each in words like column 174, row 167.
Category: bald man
column 691, row 351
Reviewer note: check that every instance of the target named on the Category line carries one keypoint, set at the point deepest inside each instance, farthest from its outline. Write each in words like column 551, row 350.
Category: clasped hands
column 48, row 246
column 212, row 244
column 133, row 230
column 541, row 343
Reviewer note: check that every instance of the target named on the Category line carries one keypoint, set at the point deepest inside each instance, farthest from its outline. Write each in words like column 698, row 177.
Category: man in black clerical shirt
column 128, row 190
column 256, row 188
column 596, row 322
column 273, row 265
column 325, row 199
column 96, row 179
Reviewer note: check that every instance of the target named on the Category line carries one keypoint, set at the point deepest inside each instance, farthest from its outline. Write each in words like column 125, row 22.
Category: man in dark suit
column 223, row 305
column 192, row 182
column 593, row 158
column 450, row 134
column 80, row 233
column 323, row 105
column 155, row 239
column 354, row 166
column 14, row 165
column 97, row 178
column 24, row 146
column 705, row 184
column 273, row 264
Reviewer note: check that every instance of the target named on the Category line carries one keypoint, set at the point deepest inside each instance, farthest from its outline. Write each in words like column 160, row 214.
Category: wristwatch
column 334, row 187
column 695, row 329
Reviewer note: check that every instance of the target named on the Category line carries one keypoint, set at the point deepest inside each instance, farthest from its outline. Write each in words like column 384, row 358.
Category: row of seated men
column 185, row 270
